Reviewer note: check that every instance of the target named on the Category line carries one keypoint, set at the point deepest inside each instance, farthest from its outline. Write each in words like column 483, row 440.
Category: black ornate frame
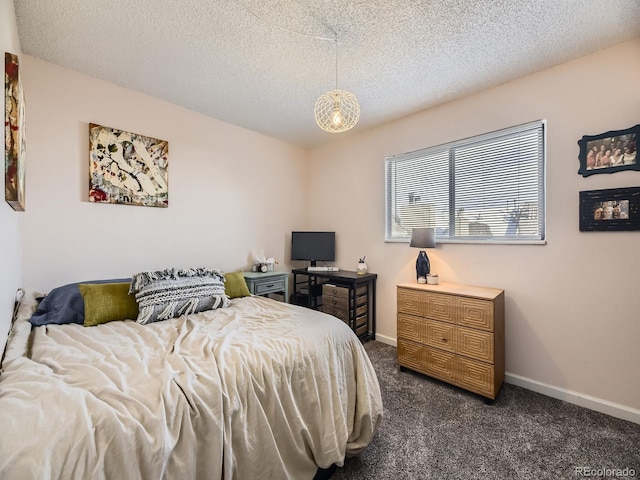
column 611, row 210
column 625, row 137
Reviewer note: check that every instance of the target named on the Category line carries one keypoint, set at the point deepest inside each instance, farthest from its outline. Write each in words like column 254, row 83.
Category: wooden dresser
column 454, row 333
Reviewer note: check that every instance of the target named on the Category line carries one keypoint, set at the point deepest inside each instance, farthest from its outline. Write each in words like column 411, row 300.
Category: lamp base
column 422, row 280
column 423, row 267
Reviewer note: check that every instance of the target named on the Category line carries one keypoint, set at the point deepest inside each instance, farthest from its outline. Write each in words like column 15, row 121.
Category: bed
column 258, row 389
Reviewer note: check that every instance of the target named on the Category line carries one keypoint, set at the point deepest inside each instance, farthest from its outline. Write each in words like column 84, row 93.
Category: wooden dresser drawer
column 440, row 335
column 411, row 355
column 361, row 302
column 411, row 302
column 362, row 310
column 341, row 313
column 331, row 290
column 431, row 305
column 474, row 313
column 431, row 361
column 475, row 344
column 475, row 376
column 272, row 285
column 411, row 327
column 338, row 302
column 440, row 364
column 440, row 307
column 343, row 304
column 362, row 329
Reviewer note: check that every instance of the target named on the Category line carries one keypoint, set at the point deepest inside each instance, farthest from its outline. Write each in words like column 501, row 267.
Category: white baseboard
column 388, row 340
column 576, row 398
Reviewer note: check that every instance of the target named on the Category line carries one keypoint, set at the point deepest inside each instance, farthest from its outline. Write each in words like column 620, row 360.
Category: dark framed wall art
column 609, row 152
column 614, row 209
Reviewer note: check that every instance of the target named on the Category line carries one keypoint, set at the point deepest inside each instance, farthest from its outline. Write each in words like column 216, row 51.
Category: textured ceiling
column 257, row 63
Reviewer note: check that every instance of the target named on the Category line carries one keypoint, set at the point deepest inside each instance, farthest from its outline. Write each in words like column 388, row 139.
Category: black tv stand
column 343, row 294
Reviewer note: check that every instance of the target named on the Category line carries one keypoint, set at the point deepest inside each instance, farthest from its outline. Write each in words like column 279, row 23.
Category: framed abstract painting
column 14, row 135
column 127, row 168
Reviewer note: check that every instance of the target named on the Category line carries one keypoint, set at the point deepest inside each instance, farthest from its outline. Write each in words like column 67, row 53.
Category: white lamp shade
column 337, row 111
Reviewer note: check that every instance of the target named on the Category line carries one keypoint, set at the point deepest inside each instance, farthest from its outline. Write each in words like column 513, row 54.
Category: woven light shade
column 337, row 111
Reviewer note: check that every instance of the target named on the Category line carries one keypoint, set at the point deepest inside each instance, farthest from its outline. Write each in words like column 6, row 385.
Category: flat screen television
column 313, row 246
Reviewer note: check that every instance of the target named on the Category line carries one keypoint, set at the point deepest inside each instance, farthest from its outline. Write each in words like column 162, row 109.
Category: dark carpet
column 432, row 430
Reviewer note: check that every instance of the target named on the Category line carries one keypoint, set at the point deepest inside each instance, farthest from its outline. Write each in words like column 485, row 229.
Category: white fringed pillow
column 170, row 293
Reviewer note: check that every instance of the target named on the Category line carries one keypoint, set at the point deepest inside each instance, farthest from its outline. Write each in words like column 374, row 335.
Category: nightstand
column 270, row 282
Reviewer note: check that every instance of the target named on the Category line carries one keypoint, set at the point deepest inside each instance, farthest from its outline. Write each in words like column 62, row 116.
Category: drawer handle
column 270, row 286
column 445, row 340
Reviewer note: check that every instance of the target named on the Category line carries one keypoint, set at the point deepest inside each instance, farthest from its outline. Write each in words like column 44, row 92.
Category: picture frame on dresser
column 609, row 152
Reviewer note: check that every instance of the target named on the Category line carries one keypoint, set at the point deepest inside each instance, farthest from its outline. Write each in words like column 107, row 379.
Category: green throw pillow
column 104, row 302
column 235, row 285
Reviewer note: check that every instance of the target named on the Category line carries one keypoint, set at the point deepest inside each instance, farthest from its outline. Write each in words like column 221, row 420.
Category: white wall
column 230, row 190
column 10, row 220
column 572, row 305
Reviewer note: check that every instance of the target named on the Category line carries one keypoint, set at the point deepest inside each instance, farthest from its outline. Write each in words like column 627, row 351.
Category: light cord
column 341, row 103
column 318, row 37
column 295, row 31
column 336, row 40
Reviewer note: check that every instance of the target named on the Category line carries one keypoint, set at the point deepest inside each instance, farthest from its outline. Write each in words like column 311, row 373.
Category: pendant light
column 337, row 111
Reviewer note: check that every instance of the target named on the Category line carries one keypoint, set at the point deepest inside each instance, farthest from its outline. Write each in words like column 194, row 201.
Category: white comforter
column 259, row 390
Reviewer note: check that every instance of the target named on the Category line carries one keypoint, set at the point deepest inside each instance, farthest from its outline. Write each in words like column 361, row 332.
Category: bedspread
column 259, row 390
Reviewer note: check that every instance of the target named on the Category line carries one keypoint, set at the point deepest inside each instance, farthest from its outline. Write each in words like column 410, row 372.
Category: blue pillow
column 64, row 304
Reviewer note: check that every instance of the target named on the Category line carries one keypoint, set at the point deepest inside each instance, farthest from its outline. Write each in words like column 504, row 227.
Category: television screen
column 312, row 246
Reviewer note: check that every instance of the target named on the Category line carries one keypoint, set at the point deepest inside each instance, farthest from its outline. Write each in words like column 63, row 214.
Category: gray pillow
column 65, row 304
column 170, row 293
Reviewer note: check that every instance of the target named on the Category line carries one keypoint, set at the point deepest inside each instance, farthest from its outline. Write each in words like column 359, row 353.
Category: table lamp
column 422, row 238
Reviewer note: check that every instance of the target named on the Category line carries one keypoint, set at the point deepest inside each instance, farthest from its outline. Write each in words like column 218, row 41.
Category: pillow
column 170, row 293
column 106, row 302
column 64, row 304
column 235, row 285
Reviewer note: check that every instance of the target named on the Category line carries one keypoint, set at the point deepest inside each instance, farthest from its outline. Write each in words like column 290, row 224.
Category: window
column 488, row 188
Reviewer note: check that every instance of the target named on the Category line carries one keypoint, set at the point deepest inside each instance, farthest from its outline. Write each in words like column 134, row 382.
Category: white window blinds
column 487, row 188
